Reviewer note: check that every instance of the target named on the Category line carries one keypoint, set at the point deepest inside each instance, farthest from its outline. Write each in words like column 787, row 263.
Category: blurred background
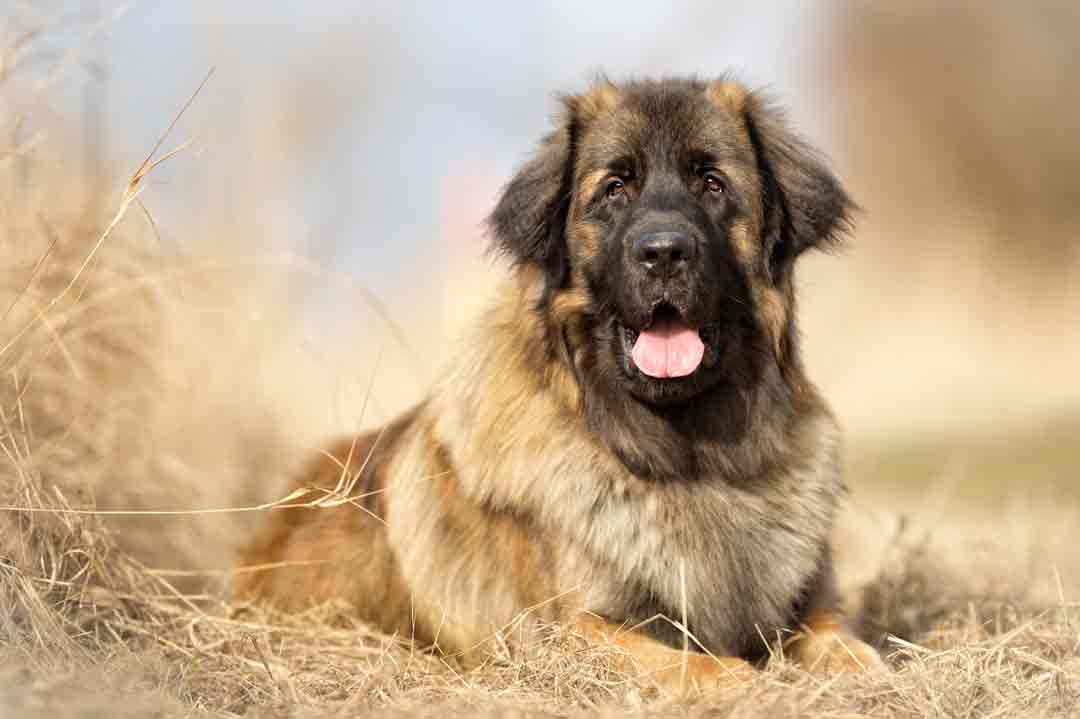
column 363, row 144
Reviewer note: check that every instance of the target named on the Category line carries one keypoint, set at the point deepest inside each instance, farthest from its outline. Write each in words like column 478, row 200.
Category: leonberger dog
column 627, row 439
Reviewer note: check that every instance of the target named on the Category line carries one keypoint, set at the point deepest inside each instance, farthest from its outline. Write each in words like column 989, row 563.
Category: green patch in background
column 1038, row 462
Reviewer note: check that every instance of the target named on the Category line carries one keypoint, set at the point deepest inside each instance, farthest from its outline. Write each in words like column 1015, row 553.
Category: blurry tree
column 963, row 114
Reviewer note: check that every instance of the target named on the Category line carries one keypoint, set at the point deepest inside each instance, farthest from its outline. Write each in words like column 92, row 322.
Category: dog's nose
column 663, row 253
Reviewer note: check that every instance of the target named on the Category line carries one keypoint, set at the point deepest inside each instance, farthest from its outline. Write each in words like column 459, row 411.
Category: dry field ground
column 134, row 380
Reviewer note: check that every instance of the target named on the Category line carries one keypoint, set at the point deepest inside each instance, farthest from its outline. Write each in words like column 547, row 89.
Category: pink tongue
column 668, row 349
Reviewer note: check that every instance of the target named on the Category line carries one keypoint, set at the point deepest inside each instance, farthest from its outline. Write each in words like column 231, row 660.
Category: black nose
column 663, row 253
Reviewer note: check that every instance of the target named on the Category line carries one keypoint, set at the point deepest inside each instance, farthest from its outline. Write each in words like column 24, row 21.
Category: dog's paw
column 828, row 653
column 704, row 674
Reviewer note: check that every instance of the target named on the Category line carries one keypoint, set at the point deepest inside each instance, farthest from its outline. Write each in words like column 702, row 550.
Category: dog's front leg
column 673, row 670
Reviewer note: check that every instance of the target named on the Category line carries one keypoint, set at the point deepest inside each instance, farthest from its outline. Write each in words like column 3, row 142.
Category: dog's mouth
column 667, row 347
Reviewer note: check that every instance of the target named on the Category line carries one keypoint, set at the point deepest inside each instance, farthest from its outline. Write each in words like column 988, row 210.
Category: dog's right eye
column 713, row 183
column 615, row 188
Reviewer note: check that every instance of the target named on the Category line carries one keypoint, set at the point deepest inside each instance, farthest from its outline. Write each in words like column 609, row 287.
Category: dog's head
column 666, row 217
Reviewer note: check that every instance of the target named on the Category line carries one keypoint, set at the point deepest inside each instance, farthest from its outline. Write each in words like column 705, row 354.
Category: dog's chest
column 737, row 555
column 735, row 559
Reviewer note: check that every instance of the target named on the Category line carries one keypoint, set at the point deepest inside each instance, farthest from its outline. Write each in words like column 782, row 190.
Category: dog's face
column 667, row 216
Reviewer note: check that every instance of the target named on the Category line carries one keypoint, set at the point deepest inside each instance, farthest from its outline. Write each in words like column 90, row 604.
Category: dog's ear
column 805, row 204
column 529, row 221
column 528, row 224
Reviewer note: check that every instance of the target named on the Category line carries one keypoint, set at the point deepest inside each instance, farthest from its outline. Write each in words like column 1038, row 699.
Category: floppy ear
column 529, row 220
column 805, row 205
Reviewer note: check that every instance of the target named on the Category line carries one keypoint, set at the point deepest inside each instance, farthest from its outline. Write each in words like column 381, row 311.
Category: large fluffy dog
column 629, row 431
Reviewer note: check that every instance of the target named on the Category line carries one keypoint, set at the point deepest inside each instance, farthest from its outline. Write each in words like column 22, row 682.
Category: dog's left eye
column 615, row 188
column 713, row 183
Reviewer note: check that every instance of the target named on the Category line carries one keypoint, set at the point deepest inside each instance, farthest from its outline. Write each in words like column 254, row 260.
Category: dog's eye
column 713, row 183
column 615, row 188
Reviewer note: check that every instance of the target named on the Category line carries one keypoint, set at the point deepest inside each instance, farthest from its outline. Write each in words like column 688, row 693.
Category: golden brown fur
column 538, row 482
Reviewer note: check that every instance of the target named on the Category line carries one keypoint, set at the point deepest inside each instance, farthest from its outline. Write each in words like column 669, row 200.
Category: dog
column 628, row 433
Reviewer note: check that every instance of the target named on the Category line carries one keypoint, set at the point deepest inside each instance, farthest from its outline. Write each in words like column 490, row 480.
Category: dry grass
column 125, row 383
column 88, row 629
